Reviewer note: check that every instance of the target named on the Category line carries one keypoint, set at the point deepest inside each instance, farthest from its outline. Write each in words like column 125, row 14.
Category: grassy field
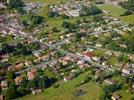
column 113, row 9
column 128, row 19
column 117, row 11
column 125, row 95
column 65, row 90
column 113, row 60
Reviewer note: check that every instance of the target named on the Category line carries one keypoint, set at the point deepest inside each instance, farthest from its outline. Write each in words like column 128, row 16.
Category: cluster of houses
column 9, row 24
column 115, row 2
column 70, row 9
column 2, row 6
column 32, row 6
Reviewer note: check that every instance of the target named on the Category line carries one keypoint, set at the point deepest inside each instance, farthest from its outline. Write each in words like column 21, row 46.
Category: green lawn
column 125, row 95
column 113, row 9
column 117, row 11
column 113, row 60
column 65, row 90
column 98, row 52
column 93, row 90
column 128, row 19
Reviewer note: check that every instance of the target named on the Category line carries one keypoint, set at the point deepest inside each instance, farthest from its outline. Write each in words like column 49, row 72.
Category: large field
column 65, row 91
column 128, row 19
column 113, row 9
column 117, row 11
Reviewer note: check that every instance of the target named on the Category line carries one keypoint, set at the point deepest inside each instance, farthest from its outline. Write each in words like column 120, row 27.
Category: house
column 28, row 63
column 1, row 97
column 64, row 63
column 37, row 54
column 133, row 85
column 96, row 59
column 53, row 53
column 30, row 6
column 66, row 58
column 74, row 59
column 97, row 73
column 79, row 62
column 2, row 18
column 5, row 60
column 98, row 45
column 38, row 60
column 70, row 77
column 115, row 96
column 119, row 65
column 18, row 80
column 2, row 6
column 90, row 50
column 45, row 57
column 127, row 70
column 109, row 81
column 4, row 56
column 89, row 54
column 4, row 84
column 19, row 66
column 31, row 74
column 109, row 53
column 81, row 66
column 37, row 91
column 70, row 34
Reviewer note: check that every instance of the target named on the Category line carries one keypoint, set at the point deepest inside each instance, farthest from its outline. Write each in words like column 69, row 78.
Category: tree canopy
column 89, row 10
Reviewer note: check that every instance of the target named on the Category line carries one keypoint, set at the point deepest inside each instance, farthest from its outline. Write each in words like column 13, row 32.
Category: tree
column 10, row 93
column 55, row 29
column 111, row 88
column 89, row 10
column 53, row 13
column 66, row 24
column 31, row 85
column 37, row 20
column 41, row 84
column 10, row 76
column 15, row 3
column 129, row 5
column 22, row 91
column 97, row 18
column 6, row 48
column 79, row 35
column 126, row 13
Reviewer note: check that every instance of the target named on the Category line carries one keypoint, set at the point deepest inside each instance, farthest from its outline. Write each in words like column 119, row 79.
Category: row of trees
column 129, row 5
column 17, row 5
column 19, row 49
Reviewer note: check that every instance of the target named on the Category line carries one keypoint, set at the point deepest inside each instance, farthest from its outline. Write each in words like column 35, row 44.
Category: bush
column 56, row 85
